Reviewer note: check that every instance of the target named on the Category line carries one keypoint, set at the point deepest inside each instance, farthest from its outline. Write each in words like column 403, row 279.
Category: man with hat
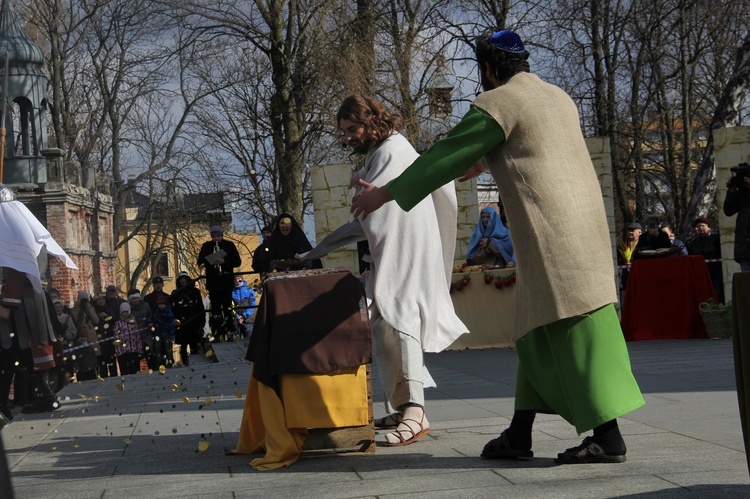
column 572, row 357
column 652, row 239
column 219, row 257
column 262, row 255
column 158, row 283
column 113, row 300
column 706, row 244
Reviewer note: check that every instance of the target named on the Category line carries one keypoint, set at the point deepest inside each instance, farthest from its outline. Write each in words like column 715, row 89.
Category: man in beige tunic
column 572, row 356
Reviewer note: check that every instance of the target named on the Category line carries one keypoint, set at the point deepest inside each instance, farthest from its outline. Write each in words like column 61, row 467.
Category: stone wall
column 80, row 220
column 599, row 151
column 332, row 200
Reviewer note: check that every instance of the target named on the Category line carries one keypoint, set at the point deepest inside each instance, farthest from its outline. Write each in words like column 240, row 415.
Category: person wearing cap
column 141, row 312
column 261, row 255
column 627, row 253
column 54, row 294
column 243, row 297
column 128, row 345
column 114, row 300
column 158, row 283
column 652, row 239
column 164, row 331
column 187, row 305
column 572, row 357
column 219, row 280
column 62, row 374
column 105, row 332
column 86, row 320
column 706, row 244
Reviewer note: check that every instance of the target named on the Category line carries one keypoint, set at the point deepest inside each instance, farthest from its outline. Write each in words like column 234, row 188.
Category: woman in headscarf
column 490, row 242
column 288, row 239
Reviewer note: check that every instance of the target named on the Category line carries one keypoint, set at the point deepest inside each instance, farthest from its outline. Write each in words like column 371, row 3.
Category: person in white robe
column 412, row 256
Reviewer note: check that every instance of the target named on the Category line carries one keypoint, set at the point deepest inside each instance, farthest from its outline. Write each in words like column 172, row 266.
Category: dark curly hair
column 379, row 124
column 504, row 64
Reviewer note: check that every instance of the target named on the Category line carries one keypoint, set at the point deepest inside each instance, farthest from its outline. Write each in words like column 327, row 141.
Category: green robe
column 573, row 364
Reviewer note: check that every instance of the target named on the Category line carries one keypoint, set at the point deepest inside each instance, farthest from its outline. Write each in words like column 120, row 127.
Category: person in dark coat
column 105, row 331
column 288, row 240
column 158, row 283
column 261, row 256
column 707, row 244
column 738, row 202
column 220, row 280
column 190, row 315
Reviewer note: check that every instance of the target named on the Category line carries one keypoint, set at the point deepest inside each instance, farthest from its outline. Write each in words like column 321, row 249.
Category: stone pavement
column 164, row 436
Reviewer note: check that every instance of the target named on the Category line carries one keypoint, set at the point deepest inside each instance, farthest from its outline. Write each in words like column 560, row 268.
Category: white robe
column 412, row 253
column 23, row 238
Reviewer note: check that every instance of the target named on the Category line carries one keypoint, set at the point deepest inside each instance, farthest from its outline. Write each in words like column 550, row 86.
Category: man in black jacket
column 707, row 244
column 738, row 202
column 220, row 258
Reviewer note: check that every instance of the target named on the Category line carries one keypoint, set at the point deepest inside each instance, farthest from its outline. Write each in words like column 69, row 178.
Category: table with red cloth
column 310, row 348
column 662, row 298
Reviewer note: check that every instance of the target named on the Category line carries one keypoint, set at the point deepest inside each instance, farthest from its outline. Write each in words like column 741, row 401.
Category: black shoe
column 588, row 452
column 5, row 411
column 46, row 404
column 499, row 448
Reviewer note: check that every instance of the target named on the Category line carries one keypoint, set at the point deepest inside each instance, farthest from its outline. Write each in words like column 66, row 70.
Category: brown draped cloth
column 309, row 322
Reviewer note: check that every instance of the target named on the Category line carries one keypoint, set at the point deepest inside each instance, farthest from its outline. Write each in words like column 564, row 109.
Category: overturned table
column 309, row 389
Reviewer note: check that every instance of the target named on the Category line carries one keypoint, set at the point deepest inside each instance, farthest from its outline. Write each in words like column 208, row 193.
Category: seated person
column 652, row 239
column 681, row 249
column 490, row 242
column 627, row 248
column 288, row 239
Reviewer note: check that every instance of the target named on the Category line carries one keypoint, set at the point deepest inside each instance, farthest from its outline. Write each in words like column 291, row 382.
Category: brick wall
column 81, row 222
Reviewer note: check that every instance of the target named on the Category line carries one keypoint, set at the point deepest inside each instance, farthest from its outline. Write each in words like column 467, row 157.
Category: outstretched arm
column 369, row 199
column 450, row 158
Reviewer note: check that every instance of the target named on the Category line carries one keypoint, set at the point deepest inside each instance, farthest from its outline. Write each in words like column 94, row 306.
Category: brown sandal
column 390, row 422
column 415, row 435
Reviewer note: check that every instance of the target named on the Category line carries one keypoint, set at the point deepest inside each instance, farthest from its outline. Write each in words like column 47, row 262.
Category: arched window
column 23, row 133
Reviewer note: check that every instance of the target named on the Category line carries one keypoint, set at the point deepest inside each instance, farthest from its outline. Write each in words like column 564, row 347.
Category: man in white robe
column 412, row 255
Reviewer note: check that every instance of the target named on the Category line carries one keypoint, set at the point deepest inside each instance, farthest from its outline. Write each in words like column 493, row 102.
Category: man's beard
column 487, row 85
column 361, row 147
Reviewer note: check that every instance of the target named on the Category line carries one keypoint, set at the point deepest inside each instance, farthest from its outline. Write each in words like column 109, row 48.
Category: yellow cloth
column 309, row 401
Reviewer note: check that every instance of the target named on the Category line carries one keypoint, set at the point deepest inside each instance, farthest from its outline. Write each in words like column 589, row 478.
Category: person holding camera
column 738, row 202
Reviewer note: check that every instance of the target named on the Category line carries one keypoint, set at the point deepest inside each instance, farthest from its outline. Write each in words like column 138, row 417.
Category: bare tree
column 122, row 87
column 280, row 104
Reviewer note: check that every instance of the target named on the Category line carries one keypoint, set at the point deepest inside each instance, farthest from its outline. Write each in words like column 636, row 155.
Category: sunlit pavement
column 164, row 435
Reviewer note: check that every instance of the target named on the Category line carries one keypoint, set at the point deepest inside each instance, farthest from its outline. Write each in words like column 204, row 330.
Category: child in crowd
column 164, row 330
column 128, row 342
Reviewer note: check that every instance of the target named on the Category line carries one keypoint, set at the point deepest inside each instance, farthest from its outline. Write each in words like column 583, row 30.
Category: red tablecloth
column 662, row 297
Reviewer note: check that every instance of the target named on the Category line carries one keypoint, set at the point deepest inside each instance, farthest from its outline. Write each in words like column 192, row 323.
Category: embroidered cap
column 507, row 41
